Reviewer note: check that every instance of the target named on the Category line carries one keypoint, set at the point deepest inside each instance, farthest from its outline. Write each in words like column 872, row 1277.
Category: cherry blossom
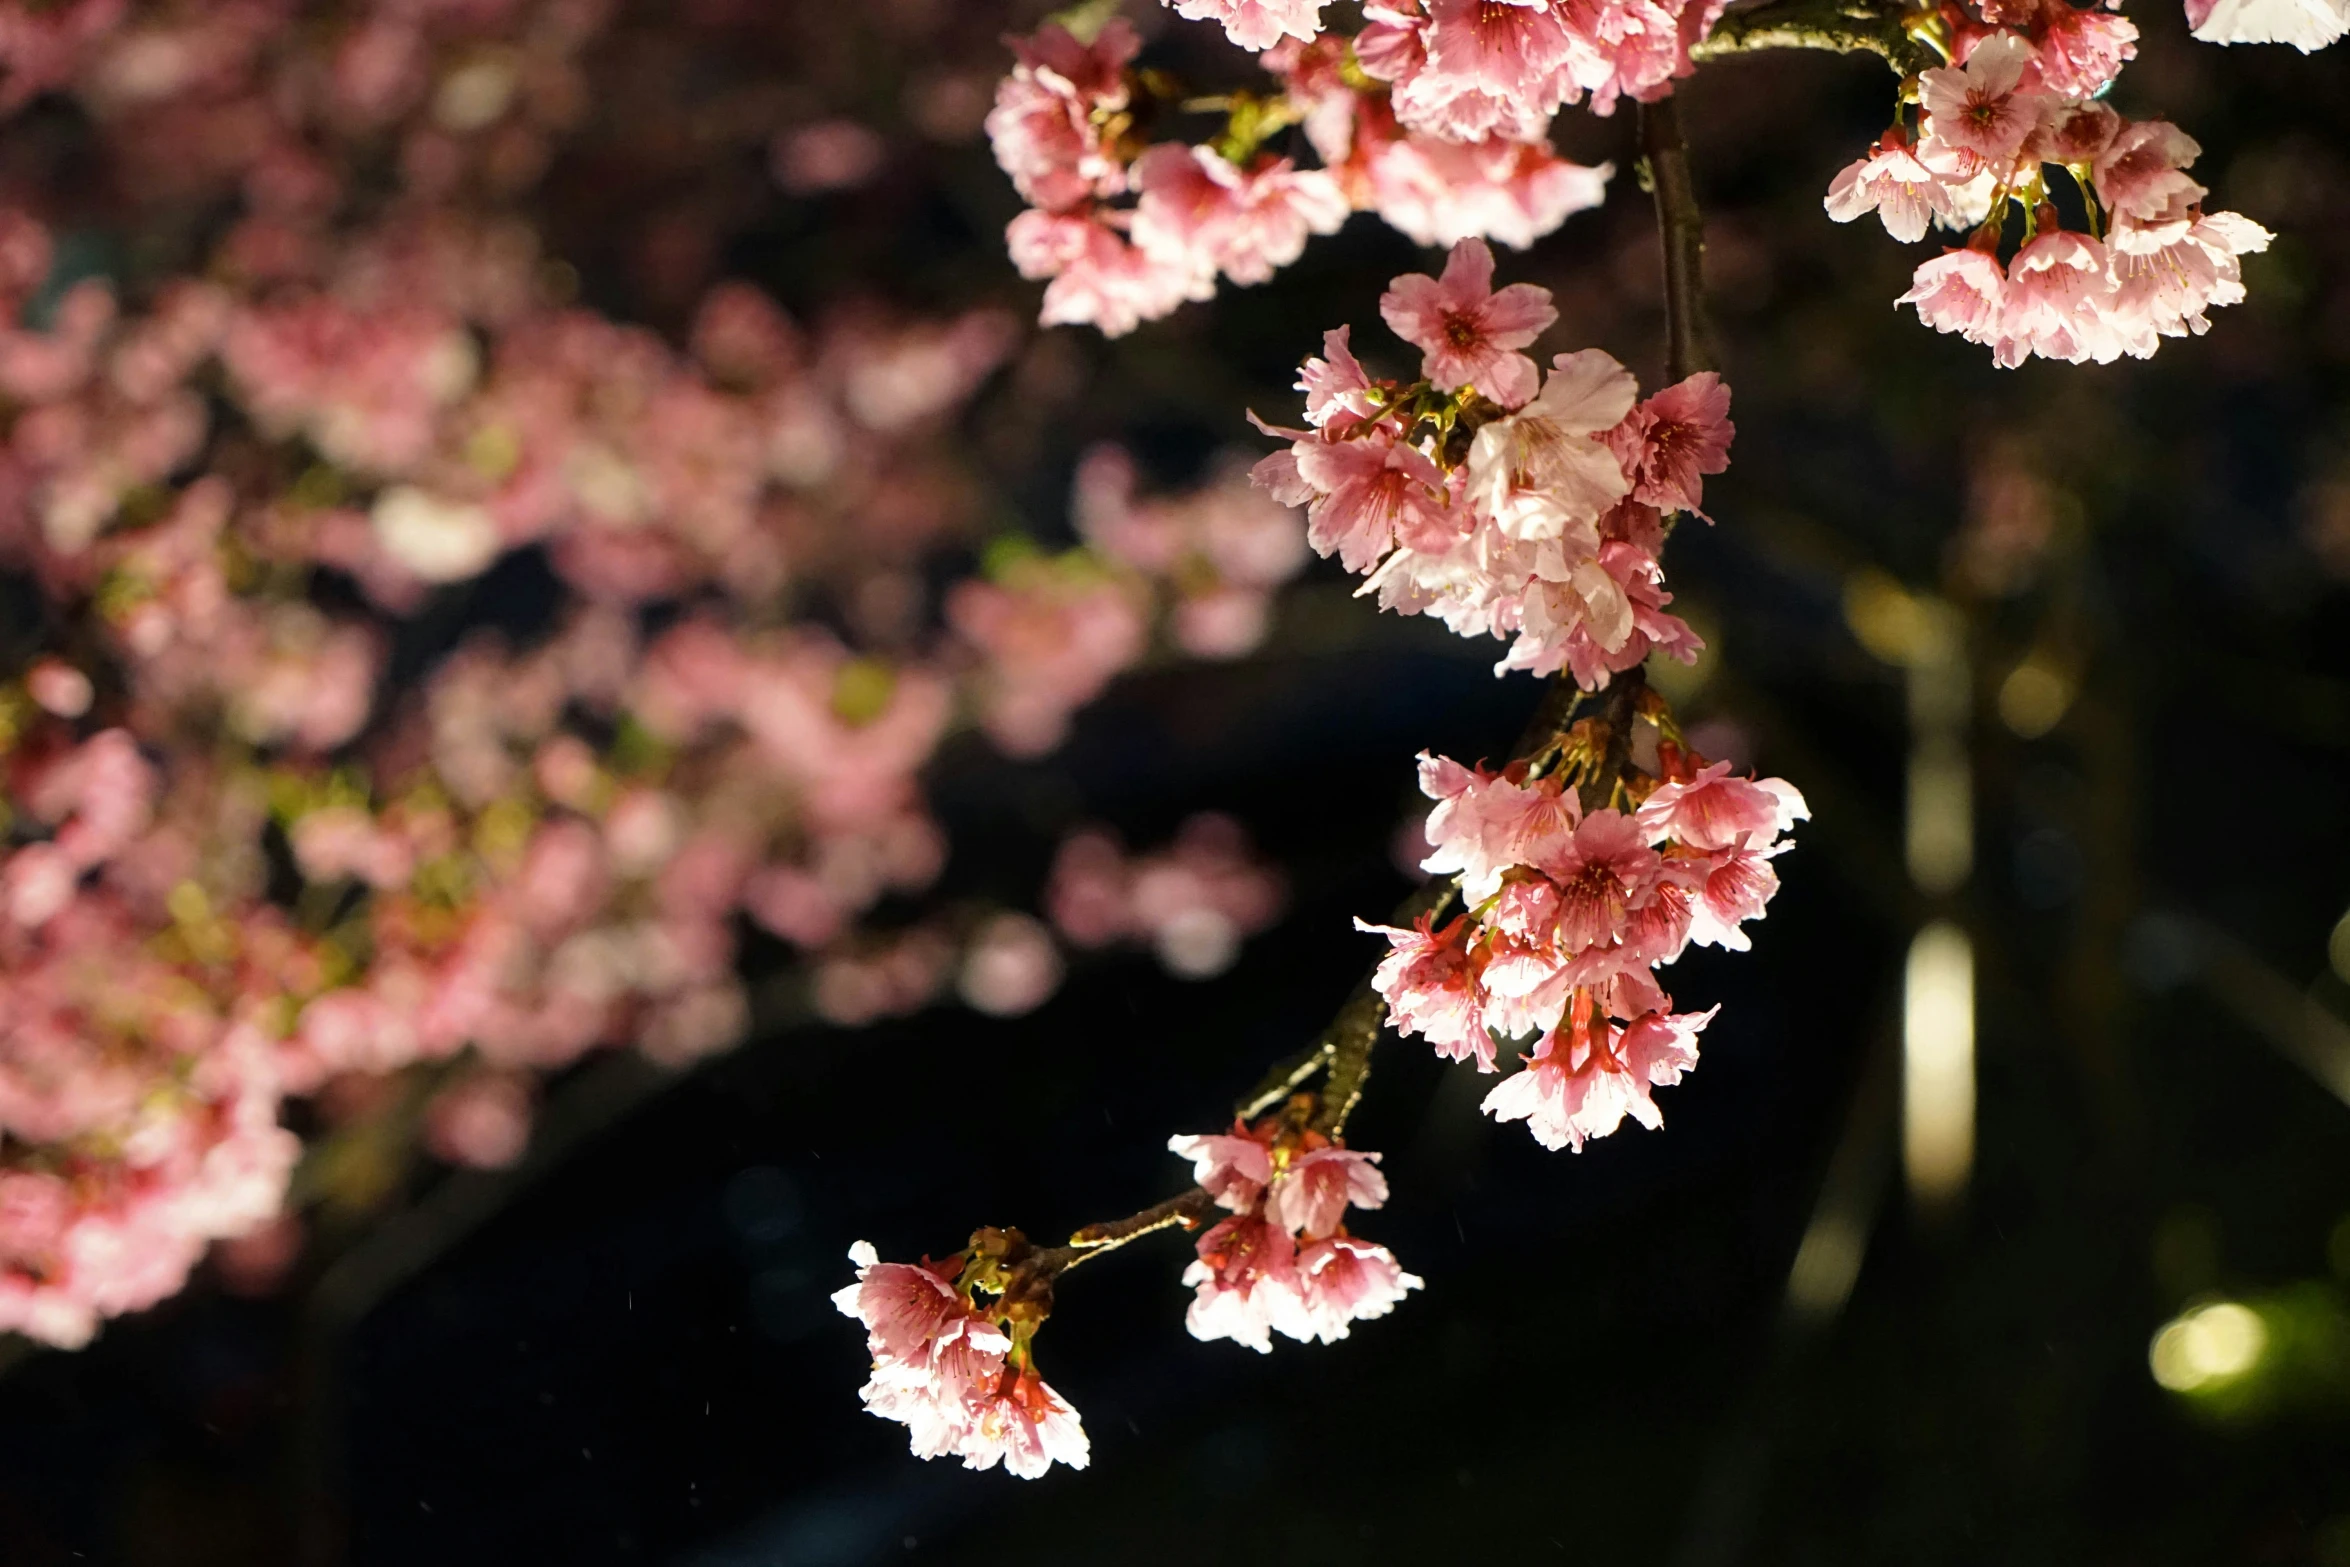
column 1233, row 1169
column 1468, row 332
column 1257, row 24
column 1891, row 182
column 2308, row 25
column 1043, row 124
column 1244, row 1282
column 1342, row 1280
column 944, row 1368
column 1198, row 211
column 1316, row 1188
column 1983, row 109
column 1432, row 990
column 1672, row 440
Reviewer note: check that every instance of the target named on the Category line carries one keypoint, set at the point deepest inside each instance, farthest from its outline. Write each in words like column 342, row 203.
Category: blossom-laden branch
column 1511, row 504
column 2021, row 98
column 1529, row 507
column 1436, row 115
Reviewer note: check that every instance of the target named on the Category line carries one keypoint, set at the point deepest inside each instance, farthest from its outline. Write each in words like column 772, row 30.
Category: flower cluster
column 1126, row 230
column 954, row 1368
column 1284, row 1261
column 1568, row 913
column 2151, row 263
column 1504, row 502
column 1463, row 69
column 1062, row 130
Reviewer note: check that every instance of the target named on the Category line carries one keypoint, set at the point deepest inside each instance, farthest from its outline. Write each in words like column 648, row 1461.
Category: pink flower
column 1053, row 635
column 2164, row 292
column 940, row 1368
column 910, row 1312
column 1984, row 109
column 1371, row 492
column 1042, row 126
column 1257, row 24
column 2056, row 301
column 1027, row 1426
column 1338, row 391
column 1481, row 821
column 1546, row 472
column 1959, row 291
column 1199, row 212
column 1668, row 443
column 2075, row 132
column 1891, row 182
column 2080, row 49
column 1312, row 1195
column 2139, row 175
column 1716, row 811
column 1603, row 872
column 2308, row 25
column 1098, row 278
column 1440, row 192
column 482, row 1121
column 1587, row 1075
column 1490, row 70
column 1431, row 989
column 1245, row 1285
column 1469, row 333
column 1342, row 1280
column 1739, row 883
column 1233, row 1168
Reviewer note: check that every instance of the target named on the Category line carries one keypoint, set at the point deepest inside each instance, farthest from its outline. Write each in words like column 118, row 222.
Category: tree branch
column 1836, row 26
column 1681, row 231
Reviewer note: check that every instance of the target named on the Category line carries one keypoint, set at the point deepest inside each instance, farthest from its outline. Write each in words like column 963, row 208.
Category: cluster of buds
column 1570, row 908
column 1990, row 128
column 1501, row 501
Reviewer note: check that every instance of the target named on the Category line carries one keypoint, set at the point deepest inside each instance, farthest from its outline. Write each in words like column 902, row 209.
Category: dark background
column 624, row 1351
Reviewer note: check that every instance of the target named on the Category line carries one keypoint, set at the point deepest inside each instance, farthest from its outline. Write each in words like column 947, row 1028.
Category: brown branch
column 1681, row 232
column 1831, row 25
column 1185, row 1209
column 1621, row 713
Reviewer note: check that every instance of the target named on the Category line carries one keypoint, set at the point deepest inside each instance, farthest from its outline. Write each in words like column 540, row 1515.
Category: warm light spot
column 2338, row 949
column 2208, row 1345
column 1940, row 838
column 1884, row 617
column 2034, row 698
column 1938, row 1065
column 1826, row 1266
